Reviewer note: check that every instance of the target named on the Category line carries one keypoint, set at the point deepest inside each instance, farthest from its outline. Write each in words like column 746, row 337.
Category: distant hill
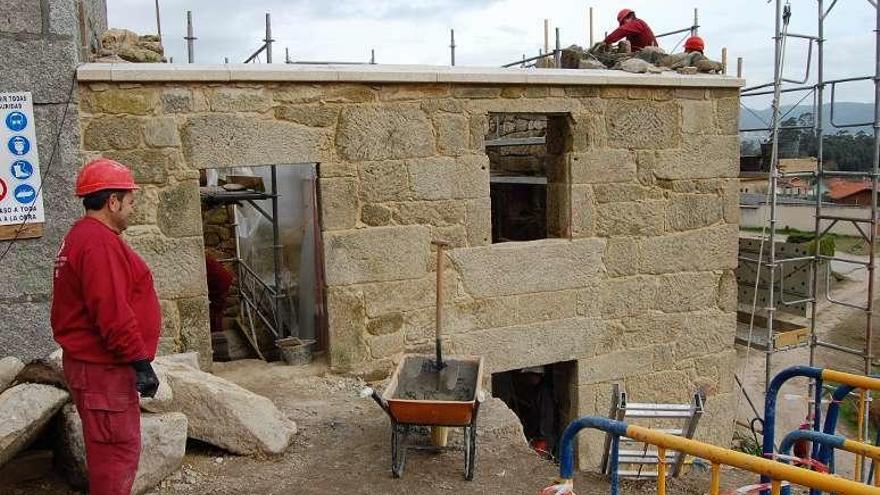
column 844, row 113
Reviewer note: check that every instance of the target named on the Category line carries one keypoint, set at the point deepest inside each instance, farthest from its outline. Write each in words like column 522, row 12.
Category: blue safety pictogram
column 16, row 121
column 19, row 145
column 25, row 194
column 22, row 169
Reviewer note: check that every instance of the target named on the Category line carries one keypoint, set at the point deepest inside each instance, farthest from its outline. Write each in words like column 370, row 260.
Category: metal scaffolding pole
column 190, row 51
column 452, row 47
column 268, row 39
column 779, row 39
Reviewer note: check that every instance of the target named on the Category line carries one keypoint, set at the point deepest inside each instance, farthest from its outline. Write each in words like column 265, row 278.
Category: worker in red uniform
column 220, row 280
column 635, row 30
column 694, row 44
column 106, row 317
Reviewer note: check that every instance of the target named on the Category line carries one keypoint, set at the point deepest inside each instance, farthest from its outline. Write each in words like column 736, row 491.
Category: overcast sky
column 493, row 32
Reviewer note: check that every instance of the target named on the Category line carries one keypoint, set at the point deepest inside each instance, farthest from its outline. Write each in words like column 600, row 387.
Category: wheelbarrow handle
column 372, row 393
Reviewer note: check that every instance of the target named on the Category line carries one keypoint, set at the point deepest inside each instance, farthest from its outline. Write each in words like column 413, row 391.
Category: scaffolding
column 775, row 264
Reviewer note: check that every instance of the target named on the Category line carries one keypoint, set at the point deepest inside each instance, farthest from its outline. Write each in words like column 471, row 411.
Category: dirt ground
column 343, row 446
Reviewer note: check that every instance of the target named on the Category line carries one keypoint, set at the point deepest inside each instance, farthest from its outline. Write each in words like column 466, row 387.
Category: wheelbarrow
column 412, row 399
column 435, row 393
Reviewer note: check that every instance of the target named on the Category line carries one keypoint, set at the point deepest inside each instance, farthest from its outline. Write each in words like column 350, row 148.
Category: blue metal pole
column 770, row 404
column 566, row 445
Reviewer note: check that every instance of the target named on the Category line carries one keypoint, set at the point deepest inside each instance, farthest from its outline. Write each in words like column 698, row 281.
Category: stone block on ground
column 9, row 369
column 224, row 414
column 24, row 411
column 163, row 445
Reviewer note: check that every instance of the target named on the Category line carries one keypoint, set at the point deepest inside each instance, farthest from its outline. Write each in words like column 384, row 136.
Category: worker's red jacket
column 104, row 306
column 636, row 31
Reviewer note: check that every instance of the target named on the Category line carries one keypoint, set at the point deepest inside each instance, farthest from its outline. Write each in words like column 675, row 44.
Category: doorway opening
column 544, row 398
column 262, row 260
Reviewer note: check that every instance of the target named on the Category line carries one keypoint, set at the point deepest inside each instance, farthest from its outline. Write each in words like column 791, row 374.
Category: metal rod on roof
column 225, row 60
column 695, row 30
column 724, row 61
column 268, row 39
column 190, row 49
column 286, row 55
column 592, row 39
column 546, row 35
column 158, row 24
column 739, row 67
column 557, row 55
column 452, row 46
column 372, row 56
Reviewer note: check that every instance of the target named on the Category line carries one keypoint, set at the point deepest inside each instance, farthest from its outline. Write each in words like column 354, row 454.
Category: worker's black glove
column 147, row 381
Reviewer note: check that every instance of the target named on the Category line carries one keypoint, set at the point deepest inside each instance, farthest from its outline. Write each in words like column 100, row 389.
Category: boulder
column 24, row 411
column 163, row 445
column 190, row 359
column 9, row 369
column 222, row 413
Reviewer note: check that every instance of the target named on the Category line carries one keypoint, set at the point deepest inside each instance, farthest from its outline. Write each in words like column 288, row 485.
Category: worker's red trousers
column 107, row 402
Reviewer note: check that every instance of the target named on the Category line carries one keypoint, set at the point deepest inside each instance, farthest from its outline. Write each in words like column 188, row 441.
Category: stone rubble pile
column 190, row 404
column 648, row 60
column 122, row 45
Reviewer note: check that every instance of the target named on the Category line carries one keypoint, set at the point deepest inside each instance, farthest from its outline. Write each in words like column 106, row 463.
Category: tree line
column 841, row 151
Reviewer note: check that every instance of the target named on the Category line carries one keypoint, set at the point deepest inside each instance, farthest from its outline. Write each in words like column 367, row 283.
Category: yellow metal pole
column 661, row 471
column 775, row 487
column 857, row 474
column 771, row 469
column 716, row 479
column 858, row 381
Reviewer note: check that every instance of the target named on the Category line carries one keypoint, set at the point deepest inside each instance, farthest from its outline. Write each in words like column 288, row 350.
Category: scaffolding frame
column 259, row 301
column 822, row 222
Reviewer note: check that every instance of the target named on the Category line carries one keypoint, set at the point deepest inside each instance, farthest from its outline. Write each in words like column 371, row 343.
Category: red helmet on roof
column 623, row 15
column 694, row 44
column 101, row 174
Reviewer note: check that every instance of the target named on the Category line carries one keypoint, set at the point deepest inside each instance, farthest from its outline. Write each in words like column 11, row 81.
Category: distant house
column 849, row 192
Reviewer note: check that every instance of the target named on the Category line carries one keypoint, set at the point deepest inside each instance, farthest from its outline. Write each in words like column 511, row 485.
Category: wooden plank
column 28, row 231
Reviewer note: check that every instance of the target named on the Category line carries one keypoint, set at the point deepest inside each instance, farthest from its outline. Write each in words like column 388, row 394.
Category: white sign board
column 21, row 198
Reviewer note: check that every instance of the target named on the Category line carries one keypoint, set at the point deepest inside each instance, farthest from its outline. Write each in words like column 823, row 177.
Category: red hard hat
column 694, row 44
column 622, row 15
column 101, row 174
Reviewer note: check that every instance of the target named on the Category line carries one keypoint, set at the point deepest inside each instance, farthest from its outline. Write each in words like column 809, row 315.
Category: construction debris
column 24, row 410
column 47, row 370
column 122, row 45
column 163, row 445
column 648, row 60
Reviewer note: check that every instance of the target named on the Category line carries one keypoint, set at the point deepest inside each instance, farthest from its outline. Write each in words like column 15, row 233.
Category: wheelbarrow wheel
column 470, row 451
column 398, row 450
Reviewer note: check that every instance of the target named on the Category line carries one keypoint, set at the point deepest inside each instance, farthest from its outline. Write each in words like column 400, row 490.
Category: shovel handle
column 438, row 317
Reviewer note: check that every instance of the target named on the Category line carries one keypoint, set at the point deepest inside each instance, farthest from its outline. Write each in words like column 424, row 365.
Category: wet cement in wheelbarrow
column 420, row 380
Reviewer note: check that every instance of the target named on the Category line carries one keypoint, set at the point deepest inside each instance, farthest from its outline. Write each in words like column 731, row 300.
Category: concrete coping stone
column 147, row 73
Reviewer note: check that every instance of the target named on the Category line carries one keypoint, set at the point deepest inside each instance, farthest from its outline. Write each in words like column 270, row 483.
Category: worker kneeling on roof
column 106, row 317
column 635, row 30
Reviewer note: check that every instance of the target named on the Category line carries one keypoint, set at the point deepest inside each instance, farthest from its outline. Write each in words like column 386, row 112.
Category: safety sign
column 21, row 196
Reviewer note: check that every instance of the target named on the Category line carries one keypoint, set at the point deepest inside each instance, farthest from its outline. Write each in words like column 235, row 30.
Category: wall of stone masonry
column 40, row 48
column 642, row 294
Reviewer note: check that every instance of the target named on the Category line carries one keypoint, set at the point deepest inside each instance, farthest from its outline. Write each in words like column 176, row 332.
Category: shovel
column 447, row 375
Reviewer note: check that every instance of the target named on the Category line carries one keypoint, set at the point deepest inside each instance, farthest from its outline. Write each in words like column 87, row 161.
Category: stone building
column 41, row 44
column 630, row 280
